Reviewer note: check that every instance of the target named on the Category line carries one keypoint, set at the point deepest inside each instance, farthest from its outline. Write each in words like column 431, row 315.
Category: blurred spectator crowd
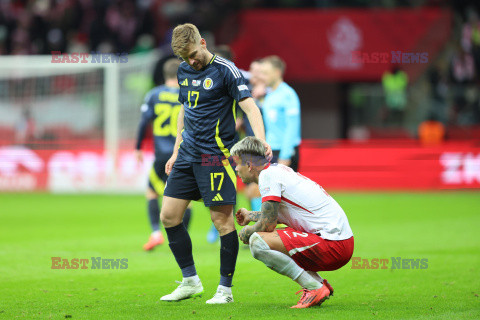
column 455, row 81
column 42, row 26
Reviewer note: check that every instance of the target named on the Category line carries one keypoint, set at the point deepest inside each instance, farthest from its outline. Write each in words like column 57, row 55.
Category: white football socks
column 308, row 282
column 316, row 276
column 281, row 263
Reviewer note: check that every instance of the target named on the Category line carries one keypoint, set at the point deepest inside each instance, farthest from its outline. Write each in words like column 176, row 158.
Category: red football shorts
column 313, row 253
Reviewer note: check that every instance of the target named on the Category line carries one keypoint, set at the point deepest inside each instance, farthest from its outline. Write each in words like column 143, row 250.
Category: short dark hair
column 170, row 68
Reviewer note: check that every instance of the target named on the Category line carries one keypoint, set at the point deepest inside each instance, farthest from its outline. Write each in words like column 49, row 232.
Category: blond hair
column 250, row 149
column 183, row 36
column 276, row 62
column 170, row 68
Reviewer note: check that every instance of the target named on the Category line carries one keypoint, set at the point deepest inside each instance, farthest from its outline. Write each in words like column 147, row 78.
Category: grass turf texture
column 442, row 227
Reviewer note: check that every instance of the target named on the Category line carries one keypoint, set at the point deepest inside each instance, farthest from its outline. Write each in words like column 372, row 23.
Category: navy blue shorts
column 213, row 181
column 157, row 176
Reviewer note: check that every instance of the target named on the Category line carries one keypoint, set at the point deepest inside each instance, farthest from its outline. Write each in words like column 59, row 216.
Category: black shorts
column 294, row 159
column 216, row 183
column 157, row 177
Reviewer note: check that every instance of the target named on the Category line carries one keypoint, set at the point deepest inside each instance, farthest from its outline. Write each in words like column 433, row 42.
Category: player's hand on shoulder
column 170, row 163
column 242, row 217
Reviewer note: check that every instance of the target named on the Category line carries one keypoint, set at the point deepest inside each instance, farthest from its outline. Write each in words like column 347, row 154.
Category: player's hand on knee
column 170, row 162
column 242, row 217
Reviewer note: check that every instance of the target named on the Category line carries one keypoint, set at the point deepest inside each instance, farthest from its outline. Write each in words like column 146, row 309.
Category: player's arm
column 256, row 121
column 250, row 108
column 178, row 140
column 266, row 220
column 142, row 128
column 147, row 116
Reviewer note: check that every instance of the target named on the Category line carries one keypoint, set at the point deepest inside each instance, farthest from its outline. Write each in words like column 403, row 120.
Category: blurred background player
column 395, row 85
column 258, row 91
column 281, row 113
column 318, row 236
column 160, row 108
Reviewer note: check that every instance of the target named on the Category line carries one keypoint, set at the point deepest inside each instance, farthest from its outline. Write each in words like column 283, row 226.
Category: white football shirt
column 304, row 205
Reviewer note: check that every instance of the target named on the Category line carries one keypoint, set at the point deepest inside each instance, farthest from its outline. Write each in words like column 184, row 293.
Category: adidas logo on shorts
column 218, row 197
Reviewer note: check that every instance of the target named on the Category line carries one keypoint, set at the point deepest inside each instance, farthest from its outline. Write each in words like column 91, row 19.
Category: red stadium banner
column 387, row 165
column 391, row 165
column 342, row 44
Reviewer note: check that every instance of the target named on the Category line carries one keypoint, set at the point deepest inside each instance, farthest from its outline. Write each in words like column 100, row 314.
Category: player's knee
column 223, row 223
column 258, row 246
column 170, row 219
column 223, row 227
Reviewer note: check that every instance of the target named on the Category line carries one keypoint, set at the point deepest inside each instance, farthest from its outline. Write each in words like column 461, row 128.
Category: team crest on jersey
column 207, row 83
column 196, row 83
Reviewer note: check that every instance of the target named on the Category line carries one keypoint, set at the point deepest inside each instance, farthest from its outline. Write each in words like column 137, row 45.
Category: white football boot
column 186, row 290
column 221, row 297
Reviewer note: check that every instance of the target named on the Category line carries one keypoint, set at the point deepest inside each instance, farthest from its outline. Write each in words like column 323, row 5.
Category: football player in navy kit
column 201, row 167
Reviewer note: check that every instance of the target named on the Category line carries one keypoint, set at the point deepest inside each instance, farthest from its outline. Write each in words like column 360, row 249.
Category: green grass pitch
column 441, row 227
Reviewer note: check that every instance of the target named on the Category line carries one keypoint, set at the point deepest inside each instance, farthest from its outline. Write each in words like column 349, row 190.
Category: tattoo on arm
column 254, row 215
column 267, row 221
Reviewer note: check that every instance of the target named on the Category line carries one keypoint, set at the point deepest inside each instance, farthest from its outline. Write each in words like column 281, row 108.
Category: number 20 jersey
column 210, row 98
column 161, row 107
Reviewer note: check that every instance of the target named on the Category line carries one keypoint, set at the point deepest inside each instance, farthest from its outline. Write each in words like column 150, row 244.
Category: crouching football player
column 318, row 236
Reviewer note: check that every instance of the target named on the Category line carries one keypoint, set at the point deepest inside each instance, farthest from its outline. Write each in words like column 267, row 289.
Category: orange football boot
column 153, row 242
column 325, row 283
column 312, row 297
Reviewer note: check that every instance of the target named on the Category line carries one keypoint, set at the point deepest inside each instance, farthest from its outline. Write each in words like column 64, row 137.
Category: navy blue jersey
column 160, row 107
column 210, row 97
